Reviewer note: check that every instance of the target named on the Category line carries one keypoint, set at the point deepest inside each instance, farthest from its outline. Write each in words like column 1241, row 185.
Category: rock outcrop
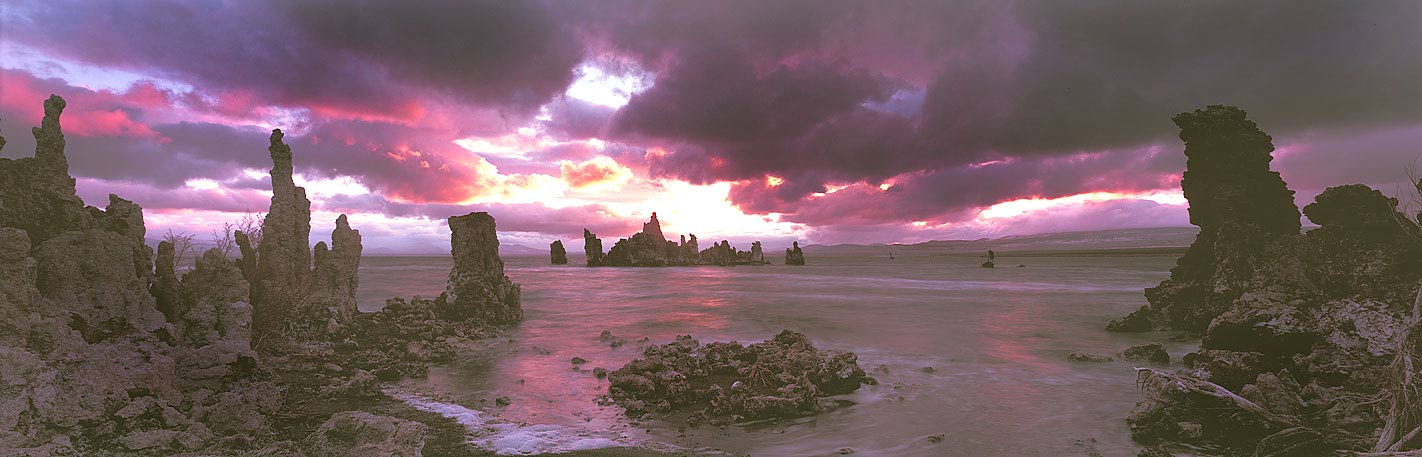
column 91, row 366
column 1303, row 327
column 36, row 193
column 783, row 377
column 650, row 248
column 592, row 247
column 334, row 279
column 298, row 294
column 284, row 255
column 102, row 352
column 478, row 288
column 166, row 289
column 361, row 434
column 557, row 254
column 794, row 256
column 1248, row 223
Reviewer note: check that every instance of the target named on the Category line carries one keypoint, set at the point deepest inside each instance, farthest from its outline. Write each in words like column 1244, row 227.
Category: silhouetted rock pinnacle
column 1246, row 214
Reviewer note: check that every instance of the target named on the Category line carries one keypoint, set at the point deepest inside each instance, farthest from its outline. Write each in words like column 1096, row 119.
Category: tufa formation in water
column 558, row 255
column 650, row 248
column 478, row 288
column 794, row 256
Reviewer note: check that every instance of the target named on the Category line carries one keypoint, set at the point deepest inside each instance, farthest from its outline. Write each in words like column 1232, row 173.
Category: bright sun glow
column 1027, row 205
column 706, row 211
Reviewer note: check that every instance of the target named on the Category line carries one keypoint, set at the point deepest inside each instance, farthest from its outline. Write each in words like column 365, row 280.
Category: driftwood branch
column 1210, row 389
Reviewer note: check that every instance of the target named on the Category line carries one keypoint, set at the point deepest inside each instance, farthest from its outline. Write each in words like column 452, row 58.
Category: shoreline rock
column 1303, row 326
column 107, row 352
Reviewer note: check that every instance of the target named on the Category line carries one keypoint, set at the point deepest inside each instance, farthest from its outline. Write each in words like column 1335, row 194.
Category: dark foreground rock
column 783, row 377
column 105, row 352
column 1308, row 340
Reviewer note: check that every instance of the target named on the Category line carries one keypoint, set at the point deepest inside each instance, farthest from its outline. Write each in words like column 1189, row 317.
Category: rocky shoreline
column 1307, row 338
column 106, row 350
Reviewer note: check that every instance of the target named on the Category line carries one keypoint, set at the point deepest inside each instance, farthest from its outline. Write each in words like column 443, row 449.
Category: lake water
column 997, row 340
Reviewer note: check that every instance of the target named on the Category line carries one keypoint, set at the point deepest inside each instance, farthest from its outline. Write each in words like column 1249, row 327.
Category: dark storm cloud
column 357, row 58
column 508, row 52
column 959, row 104
column 1105, row 73
column 956, row 192
column 717, row 96
column 1048, row 79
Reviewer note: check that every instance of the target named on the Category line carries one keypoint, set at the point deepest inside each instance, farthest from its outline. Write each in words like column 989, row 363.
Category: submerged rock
column 1150, row 352
column 478, row 288
column 558, row 255
column 1089, row 357
column 783, row 377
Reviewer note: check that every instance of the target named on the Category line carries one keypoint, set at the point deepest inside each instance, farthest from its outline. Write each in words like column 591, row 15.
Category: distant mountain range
column 1160, row 239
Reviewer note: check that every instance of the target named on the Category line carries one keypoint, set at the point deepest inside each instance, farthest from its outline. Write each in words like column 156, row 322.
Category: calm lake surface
column 997, row 340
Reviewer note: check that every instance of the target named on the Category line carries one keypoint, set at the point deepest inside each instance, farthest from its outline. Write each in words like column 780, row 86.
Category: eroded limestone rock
column 783, row 377
column 477, row 285
column 592, row 247
column 1305, row 325
column 794, row 256
column 358, row 433
column 284, row 255
column 36, row 193
column 558, row 255
column 334, row 278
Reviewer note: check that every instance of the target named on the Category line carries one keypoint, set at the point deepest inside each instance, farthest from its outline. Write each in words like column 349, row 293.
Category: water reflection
column 996, row 340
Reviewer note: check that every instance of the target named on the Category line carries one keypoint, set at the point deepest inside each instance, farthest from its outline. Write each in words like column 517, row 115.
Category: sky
column 821, row 121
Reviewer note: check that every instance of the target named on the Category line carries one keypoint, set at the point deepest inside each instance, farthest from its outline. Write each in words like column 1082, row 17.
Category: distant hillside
column 1161, row 239
column 520, row 250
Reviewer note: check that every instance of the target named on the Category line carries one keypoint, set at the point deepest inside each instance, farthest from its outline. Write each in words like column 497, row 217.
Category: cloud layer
column 820, row 120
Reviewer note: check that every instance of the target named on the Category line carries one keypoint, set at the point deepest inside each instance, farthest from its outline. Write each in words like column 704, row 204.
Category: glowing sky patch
column 1029, row 205
column 609, row 88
